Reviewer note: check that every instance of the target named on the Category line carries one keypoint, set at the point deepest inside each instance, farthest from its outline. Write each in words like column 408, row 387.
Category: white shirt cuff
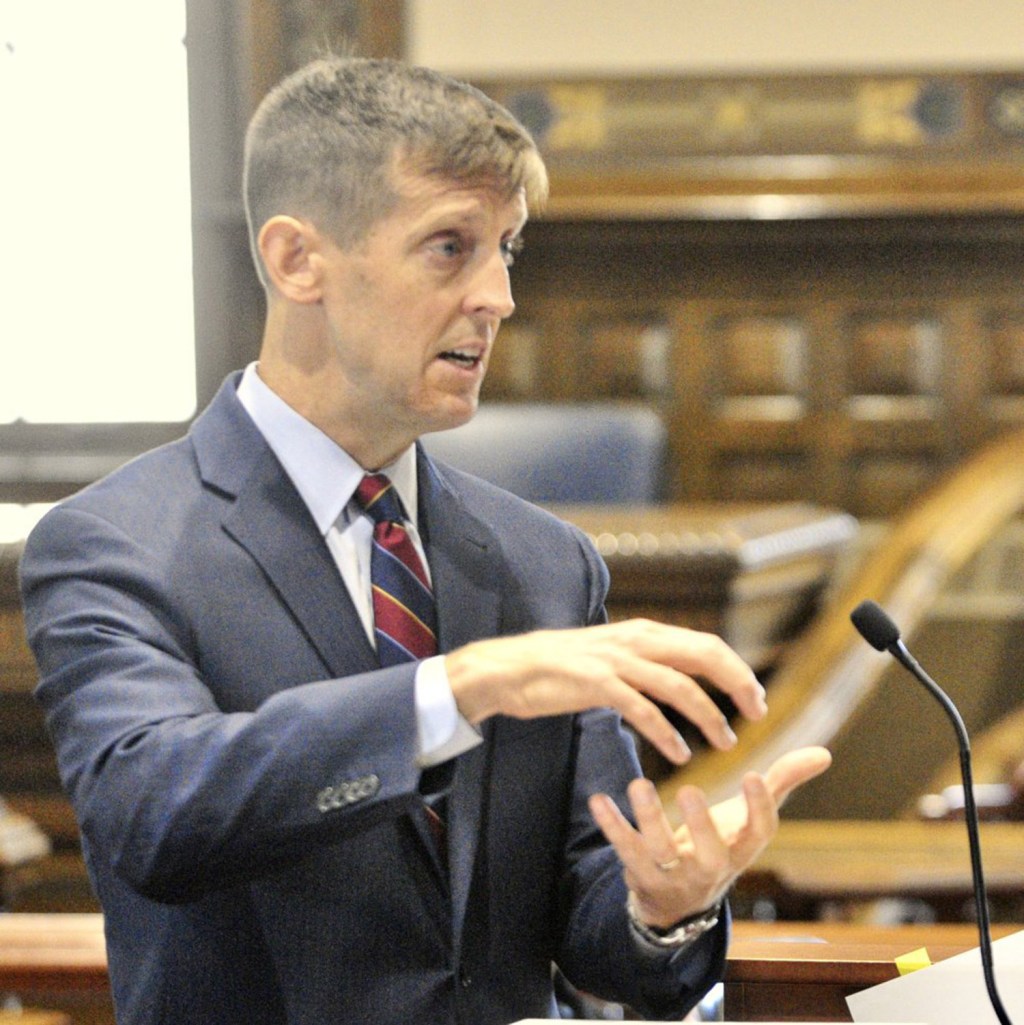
column 443, row 732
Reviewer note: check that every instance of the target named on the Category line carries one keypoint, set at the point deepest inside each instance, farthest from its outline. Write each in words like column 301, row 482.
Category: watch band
column 682, row 934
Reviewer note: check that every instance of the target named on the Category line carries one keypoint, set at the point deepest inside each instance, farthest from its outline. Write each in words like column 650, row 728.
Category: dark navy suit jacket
column 245, row 776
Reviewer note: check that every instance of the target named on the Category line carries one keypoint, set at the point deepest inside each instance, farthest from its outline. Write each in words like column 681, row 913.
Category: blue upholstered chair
column 562, row 452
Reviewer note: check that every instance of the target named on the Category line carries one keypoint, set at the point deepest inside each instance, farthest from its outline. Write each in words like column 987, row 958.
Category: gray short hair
column 324, row 142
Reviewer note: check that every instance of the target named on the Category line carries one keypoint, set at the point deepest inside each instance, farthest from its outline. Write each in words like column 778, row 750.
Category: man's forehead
column 426, row 192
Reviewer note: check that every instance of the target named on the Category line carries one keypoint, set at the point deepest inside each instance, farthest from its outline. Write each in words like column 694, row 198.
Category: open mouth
column 461, row 358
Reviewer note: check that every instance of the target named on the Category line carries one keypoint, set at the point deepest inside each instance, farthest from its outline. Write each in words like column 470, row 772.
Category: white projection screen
column 96, row 317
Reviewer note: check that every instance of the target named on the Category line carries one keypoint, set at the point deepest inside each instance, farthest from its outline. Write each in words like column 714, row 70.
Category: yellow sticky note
column 916, row 959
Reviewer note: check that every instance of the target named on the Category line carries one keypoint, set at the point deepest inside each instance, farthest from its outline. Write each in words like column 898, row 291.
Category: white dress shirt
column 326, row 478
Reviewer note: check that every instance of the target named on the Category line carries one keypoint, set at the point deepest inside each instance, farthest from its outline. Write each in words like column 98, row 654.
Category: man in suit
column 284, row 821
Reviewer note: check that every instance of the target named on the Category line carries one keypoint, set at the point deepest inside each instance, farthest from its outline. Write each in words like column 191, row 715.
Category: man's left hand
column 675, row 874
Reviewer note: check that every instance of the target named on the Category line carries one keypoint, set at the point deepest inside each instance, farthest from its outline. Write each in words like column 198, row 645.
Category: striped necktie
column 405, row 620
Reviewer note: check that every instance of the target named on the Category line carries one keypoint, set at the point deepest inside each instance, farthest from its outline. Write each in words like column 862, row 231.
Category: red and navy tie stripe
column 405, row 618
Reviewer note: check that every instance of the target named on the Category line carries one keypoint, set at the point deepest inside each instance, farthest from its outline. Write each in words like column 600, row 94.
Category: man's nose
column 492, row 291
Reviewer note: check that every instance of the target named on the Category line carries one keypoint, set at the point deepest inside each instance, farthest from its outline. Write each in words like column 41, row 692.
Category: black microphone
column 875, row 626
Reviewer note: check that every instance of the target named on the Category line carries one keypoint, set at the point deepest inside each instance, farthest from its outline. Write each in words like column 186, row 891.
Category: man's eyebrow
column 446, row 220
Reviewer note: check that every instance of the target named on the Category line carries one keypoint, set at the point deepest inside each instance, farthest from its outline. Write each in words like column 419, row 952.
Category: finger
column 612, row 676
column 705, row 655
column 728, row 673
column 549, row 673
column 794, row 769
column 650, row 722
column 699, row 828
column 761, row 825
column 617, row 829
column 643, row 864
column 682, row 693
column 653, row 825
column 725, row 857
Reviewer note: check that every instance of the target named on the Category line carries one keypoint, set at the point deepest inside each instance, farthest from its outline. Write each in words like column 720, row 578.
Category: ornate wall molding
column 777, row 147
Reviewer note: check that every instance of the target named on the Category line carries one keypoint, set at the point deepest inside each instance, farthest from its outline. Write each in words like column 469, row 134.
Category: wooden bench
column 57, row 962
column 834, row 869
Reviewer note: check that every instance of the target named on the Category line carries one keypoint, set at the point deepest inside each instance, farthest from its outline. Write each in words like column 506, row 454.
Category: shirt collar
column 323, row 473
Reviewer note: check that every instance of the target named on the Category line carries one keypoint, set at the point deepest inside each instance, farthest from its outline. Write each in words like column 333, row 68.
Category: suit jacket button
column 465, row 979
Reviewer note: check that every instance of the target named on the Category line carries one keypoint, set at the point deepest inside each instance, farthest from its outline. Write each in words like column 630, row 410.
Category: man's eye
column 511, row 248
column 450, row 246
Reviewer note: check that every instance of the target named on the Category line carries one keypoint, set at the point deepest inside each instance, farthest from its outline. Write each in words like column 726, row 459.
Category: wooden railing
column 830, row 671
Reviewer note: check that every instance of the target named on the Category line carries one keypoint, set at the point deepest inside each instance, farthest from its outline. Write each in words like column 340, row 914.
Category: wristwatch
column 682, row 934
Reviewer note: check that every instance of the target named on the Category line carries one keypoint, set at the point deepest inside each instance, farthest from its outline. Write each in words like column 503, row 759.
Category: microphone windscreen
column 874, row 625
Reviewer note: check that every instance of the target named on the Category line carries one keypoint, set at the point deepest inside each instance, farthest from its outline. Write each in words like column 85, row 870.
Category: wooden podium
column 804, row 971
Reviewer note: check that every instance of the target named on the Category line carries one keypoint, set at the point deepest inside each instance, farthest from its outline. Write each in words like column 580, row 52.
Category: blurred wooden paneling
column 814, row 277
column 57, row 961
column 846, row 363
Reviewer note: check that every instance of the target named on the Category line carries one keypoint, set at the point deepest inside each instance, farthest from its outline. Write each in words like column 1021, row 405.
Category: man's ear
column 288, row 246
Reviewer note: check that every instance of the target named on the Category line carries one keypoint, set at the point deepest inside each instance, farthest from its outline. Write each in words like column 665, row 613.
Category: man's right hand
column 627, row 666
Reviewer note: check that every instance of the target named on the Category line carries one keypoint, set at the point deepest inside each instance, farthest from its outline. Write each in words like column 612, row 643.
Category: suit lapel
column 461, row 551
column 272, row 523
column 269, row 519
column 466, row 567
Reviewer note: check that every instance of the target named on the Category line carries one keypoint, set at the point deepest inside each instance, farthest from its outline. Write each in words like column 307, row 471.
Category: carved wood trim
column 776, row 147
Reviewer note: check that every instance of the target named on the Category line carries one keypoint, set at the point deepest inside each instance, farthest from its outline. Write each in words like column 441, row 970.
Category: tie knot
column 379, row 500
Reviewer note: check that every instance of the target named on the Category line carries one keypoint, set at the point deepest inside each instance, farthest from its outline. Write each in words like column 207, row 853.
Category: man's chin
column 455, row 414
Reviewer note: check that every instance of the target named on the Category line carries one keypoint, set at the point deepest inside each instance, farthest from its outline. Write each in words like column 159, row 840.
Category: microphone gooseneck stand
column 875, row 626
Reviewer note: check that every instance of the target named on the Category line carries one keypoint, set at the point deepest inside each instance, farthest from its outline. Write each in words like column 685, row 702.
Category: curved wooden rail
column 830, row 670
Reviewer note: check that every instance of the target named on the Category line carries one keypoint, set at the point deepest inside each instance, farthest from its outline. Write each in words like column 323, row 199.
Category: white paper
column 949, row 992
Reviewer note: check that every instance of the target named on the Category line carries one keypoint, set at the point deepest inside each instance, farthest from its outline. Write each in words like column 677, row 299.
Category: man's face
column 412, row 312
